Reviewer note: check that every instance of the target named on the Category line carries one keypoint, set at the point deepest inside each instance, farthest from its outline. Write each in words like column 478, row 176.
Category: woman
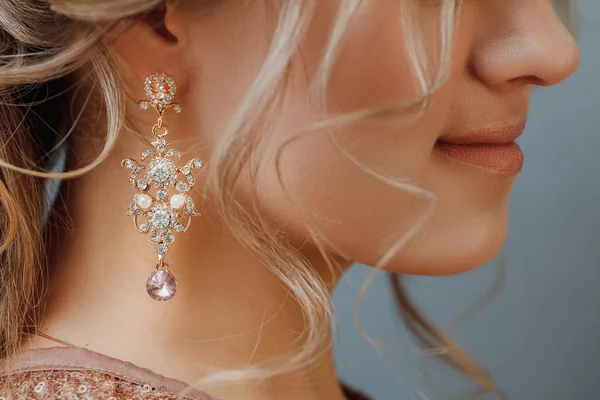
column 318, row 132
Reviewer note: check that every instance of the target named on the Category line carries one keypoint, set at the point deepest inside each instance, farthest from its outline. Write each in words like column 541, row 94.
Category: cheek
column 329, row 182
column 370, row 67
column 324, row 190
column 325, row 186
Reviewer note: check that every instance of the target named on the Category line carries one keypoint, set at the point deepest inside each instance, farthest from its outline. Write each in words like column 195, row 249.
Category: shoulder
column 78, row 373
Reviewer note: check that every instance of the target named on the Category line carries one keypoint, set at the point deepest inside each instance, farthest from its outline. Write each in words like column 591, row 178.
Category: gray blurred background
column 540, row 337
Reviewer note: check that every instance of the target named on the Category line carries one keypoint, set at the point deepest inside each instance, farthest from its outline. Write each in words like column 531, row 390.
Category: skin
column 502, row 49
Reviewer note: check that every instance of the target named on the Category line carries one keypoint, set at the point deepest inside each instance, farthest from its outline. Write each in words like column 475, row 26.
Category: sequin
column 78, row 385
column 39, row 388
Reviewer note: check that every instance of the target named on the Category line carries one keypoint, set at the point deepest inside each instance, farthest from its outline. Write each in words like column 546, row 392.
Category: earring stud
column 163, row 214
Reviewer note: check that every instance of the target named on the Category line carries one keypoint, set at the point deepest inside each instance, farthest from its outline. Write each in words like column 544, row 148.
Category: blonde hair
column 44, row 54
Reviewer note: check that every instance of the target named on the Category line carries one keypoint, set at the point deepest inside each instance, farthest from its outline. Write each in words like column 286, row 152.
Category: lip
column 492, row 148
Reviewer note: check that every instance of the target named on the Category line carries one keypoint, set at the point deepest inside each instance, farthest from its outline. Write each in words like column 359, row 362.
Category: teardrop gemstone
column 161, row 285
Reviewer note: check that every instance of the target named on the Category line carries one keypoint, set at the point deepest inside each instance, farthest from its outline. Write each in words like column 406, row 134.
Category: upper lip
column 496, row 133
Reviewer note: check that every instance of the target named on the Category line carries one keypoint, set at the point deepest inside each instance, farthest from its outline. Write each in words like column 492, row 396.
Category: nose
column 528, row 44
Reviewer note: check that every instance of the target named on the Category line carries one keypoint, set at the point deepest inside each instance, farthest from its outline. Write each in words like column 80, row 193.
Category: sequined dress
column 74, row 373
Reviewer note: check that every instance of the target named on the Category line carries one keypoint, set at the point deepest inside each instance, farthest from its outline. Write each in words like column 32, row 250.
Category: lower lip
column 495, row 158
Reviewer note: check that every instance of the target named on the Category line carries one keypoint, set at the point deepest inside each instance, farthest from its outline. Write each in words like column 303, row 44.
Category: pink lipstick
column 492, row 148
column 496, row 158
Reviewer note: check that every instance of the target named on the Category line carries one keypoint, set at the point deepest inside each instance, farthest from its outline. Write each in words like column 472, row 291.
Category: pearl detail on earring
column 144, row 201
column 177, row 201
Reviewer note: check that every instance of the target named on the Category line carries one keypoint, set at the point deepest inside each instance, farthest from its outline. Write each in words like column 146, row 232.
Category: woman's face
column 459, row 150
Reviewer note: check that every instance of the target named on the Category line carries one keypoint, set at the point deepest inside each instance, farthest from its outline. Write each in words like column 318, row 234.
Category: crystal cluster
column 162, row 212
column 160, row 89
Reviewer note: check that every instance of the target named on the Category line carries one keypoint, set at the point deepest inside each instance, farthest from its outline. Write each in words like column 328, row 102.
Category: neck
column 229, row 311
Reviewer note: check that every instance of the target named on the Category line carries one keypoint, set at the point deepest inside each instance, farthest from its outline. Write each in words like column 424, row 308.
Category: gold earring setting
column 163, row 215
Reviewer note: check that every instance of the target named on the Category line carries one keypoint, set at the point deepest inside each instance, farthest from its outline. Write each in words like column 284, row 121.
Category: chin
column 451, row 252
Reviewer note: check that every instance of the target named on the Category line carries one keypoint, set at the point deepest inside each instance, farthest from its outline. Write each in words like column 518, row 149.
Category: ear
column 153, row 42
